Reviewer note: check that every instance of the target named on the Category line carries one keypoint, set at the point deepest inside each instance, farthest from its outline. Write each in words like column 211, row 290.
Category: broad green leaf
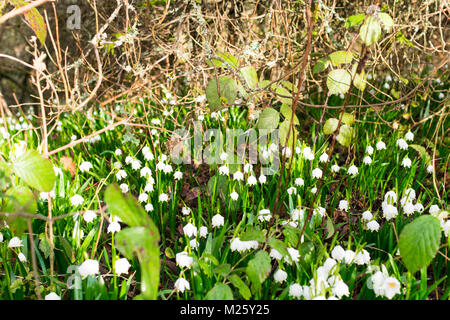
column 341, row 56
column 330, row 126
column 355, row 20
column 223, row 269
column 345, row 135
column 253, row 234
column 268, row 119
column 44, row 245
column 338, row 81
column 403, row 40
column 35, row 170
column 34, row 19
column 284, row 132
column 18, row 199
column 330, row 228
column 241, row 286
column 278, row 245
column 291, row 235
column 422, row 152
column 321, row 65
column 348, row 118
column 227, row 92
column 228, row 59
column 220, row 291
column 286, row 111
column 419, row 241
column 282, row 91
column 258, row 269
column 359, row 80
column 370, row 31
column 386, row 20
column 145, row 245
column 250, row 76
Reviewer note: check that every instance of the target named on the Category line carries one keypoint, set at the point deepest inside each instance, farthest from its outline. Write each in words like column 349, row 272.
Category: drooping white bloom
column 441, row 95
column 1, row 237
column 402, row 144
column 338, row 253
column 430, row 169
column 203, row 232
column 319, row 211
column 340, row 289
column 183, row 259
column 85, row 166
column 167, row 168
column 251, row 181
column 434, row 209
column 186, row 211
column 143, row 197
column 135, row 164
column 148, row 207
column 163, row 197
column 178, row 175
column 314, row 190
column 329, row 264
column 182, row 284
column 409, row 136
column 373, row 225
column 343, row 205
column 262, row 179
column 308, row 154
column 264, row 215
column 217, row 221
column 224, row 170
column 280, row 276
column 292, row 190
column 295, row 290
column 248, row 167
column 193, row 243
column 367, row 215
column 286, row 152
column 391, row 287
column 146, row 172
column 317, row 173
column 47, row 195
column 121, row 174
column 299, row 182
column 380, row 145
column 369, row 150
column 124, row 187
column 89, row 216
column 335, row 168
column 408, row 208
column 190, row 230
column 367, row 160
column 294, row 255
column 52, row 296
column 406, row 162
column 362, row 257
column 15, row 242
column 22, row 257
column 118, row 152
column 76, row 200
column 446, row 227
column 238, row 176
column 274, row 254
column 419, row 207
column 241, row 246
column 89, row 268
column 148, row 187
column 234, row 195
column 390, row 197
column 389, row 211
column 121, row 266
column 353, row 170
column 160, row 166
column 223, row 156
column 114, row 226
column 323, row 157
column 349, row 256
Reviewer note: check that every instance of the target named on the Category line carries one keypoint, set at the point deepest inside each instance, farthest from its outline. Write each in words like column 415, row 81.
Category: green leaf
column 44, row 245
column 345, row 135
column 258, row 269
column 35, row 170
column 330, row 228
column 220, row 291
column 221, row 183
column 348, row 118
column 228, row 58
column 338, row 81
column 321, row 65
column 284, row 132
column 422, row 152
column 339, row 57
column 330, row 126
column 419, row 241
column 227, row 92
column 253, row 234
column 355, row 20
column 250, row 76
column 223, row 269
column 241, row 286
column 34, row 19
column 386, row 20
column 144, row 244
column 286, row 111
column 18, row 199
column 278, row 245
column 268, row 119
column 370, row 31
column 280, row 90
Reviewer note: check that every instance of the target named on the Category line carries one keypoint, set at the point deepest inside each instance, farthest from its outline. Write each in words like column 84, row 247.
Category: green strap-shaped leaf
column 34, row 18
column 35, row 170
column 419, row 241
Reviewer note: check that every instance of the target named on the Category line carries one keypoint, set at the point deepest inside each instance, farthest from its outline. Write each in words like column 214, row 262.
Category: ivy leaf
column 370, row 31
column 227, row 92
column 330, row 126
column 35, row 170
column 345, row 135
column 268, row 119
column 220, row 291
column 339, row 57
column 338, row 81
column 419, row 241
column 258, row 269
column 34, row 19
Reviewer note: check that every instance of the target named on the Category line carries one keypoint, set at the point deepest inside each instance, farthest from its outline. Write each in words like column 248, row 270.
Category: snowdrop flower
column 286, row 152
column 446, row 227
column 380, row 145
column 387, row 86
column 273, row 148
column 124, row 187
column 76, row 200
column 295, row 290
column 121, row 174
column 367, row 215
column 340, row 289
column 353, row 170
column 163, row 197
column 329, row 264
column 338, row 253
column 190, row 230
column 362, row 257
column 143, row 197
column 224, row 170
column 89, row 216
column 22, row 257
column 274, row 254
column 264, row 215
column 234, row 195
column 148, row 187
column 391, row 287
column 217, row 221
column 223, row 156
column 47, row 195
column 390, row 197
column 178, row 175
column 419, row 207
column 388, row 78
column 186, row 211
column 323, row 157
column 184, row 260
column 121, row 266
column 373, row 225
column 52, row 296
column 135, row 164
column 343, row 205
column 441, row 95
column 89, row 268
column 294, row 255
column 1, row 237
column 193, row 243
column 335, row 168
column 118, row 152
column 408, row 208
column 430, row 169
column 410, row 194
column 85, row 166
column 389, row 211
column 241, row 246
column 182, row 284
column 299, row 182
column 167, row 168
column 251, row 181
column 114, row 226
column 148, row 207
column 319, row 211
column 406, row 162
column 146, row 172
column 117, row 165
column 369, row 150
column 402, row 144
column 280, row 276
column 238, row 176
column 367, row 160
column 160, row 166
column 262, row 179
column 409, row 136
column 307, row 154
column 292, row 190
column 128, row 159
column 248, row 167
column 15, row 242
column 317, row 173
column 434, row 209
column 203, row 232
column 349, row 256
